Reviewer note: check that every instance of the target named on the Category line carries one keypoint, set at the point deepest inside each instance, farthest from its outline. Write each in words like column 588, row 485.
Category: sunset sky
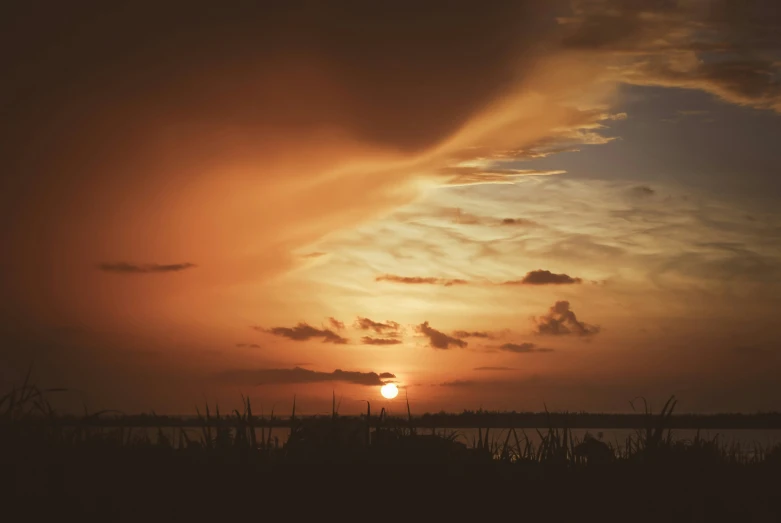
column 492, row 204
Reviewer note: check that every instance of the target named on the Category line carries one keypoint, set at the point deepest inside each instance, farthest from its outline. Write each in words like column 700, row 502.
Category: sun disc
column 389, row 391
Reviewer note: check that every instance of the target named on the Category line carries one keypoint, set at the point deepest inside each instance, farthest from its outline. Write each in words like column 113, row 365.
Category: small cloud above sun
column 389, row 391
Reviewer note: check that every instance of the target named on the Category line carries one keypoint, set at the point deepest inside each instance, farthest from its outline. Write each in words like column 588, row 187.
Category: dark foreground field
column 350, row 469
column 160, row 489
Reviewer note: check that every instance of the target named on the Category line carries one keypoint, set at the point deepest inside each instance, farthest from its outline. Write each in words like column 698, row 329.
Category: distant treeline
column 464, row 420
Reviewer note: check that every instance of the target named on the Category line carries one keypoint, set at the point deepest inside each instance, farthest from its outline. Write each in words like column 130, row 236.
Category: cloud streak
column 473, row 334
column 146, row 268
column 419, row 280
column 304, row 332
column 458, row 383
column 523, row 348
column 368, row 340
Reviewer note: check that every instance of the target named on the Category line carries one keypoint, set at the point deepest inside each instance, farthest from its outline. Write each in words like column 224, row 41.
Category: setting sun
column 389, row 391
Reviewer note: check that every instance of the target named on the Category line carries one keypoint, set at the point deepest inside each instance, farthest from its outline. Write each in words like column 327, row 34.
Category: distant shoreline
column 473, row 420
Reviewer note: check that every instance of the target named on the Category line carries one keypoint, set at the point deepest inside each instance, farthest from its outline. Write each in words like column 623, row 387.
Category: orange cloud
column 239, row 163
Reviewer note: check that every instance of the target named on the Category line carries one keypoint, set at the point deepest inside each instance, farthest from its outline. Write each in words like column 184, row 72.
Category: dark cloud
column 209, row 89
column 561, row 321
column 523, row 348
column 723, row 48
column 493, row 368
column 248, row 345
column 544, row 277
column 517, row 347
column 380, row 328
column 417, row 280
column 458, row 383
column 370, row 82
column 517, row 222
column 473, row 334
column 336, row 324
column 439, row 340
column 303, row 332
column 301, row 375
column 148, row 268
column 368, row 340
column 642, row 191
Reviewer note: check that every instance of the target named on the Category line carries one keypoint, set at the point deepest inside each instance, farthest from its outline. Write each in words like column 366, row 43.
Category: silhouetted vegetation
column 41, row 453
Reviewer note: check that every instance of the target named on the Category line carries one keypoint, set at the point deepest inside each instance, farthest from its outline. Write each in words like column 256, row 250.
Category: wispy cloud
column 146, row 268
column 493, row 368
column 368, row 340
column 303, row 332
column 544, row 277
column 473, row 334
column 376, row 326
column 248, row 345
column 336, row 324
column 523, row 348
column 439, row 340
column 458, row 383
column 477, row 176
column 642, row 191
column 418, row 280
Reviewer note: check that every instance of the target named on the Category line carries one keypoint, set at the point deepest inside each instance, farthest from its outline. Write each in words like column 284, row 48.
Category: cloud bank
column 301, row 375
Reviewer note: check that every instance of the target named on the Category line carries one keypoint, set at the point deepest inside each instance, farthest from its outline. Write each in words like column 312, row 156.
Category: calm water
column 747, row 440
column 744, row 438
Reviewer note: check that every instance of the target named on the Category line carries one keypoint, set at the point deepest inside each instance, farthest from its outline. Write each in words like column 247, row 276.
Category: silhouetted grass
column 28, row 421
column 125, row 470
